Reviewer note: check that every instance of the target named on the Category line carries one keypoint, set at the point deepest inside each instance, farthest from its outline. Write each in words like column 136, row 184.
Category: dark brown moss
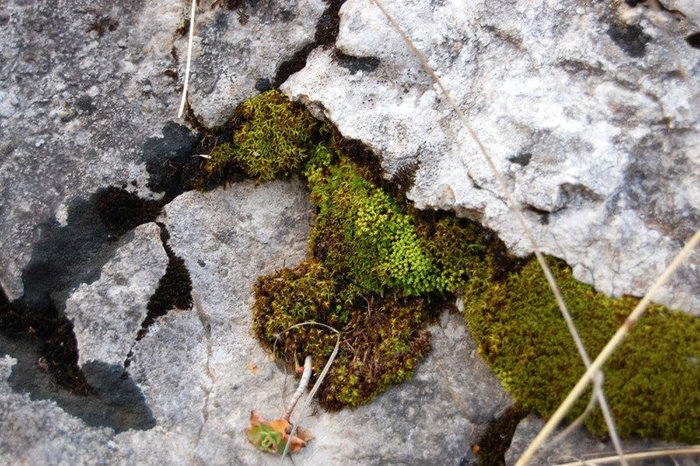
column 122, row 211
column 382, row 338
column 53, row 333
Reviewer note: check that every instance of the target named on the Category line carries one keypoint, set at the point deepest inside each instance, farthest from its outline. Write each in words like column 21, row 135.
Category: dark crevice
column 522, row 159
column 356, row 64
column 326, row 33
column 174, row 289
column 403, row 180
column 542, row 214
column 122, row 211
column 492, row 446
column 694, row 40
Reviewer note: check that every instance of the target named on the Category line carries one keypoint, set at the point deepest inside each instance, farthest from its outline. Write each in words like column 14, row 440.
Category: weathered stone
column 688, row 8
column 83, row 86
column 108, row 313
column 236, row 53
column 580, row 445
column 201, row 370
column 591, row 120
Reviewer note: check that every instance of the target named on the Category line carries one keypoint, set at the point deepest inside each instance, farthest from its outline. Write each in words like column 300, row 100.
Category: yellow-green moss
column 272, row 142
column 375, row 261
column 367, row 239
column 652, row 382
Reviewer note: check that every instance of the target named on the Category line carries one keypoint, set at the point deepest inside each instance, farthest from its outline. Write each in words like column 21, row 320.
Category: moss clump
column 651, row 382
column 376, row 269
column 366, row 238
column 382, row 338
column 272, row 142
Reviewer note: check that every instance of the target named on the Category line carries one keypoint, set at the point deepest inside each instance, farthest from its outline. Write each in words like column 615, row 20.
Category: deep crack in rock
column 174, row 288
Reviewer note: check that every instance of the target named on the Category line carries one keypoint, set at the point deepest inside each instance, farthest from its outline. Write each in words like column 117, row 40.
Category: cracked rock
column 201, row 370
column 108, row 313
column 83, row 87
column 589, row 111
column 237, row 52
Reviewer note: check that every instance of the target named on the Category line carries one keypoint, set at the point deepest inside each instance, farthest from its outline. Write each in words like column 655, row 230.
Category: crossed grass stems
column 593, row 372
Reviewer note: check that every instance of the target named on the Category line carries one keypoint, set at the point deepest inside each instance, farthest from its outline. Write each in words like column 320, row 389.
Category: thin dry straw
column 515, row 207
column 319, row 380
column 305, row 376
column 607, row 351
column 694, row 450
column 189, row 62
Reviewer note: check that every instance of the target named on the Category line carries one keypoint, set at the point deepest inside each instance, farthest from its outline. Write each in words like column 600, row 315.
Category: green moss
column 366, row 238
column 382, row 338
column 375, row 263
column 652, row 381
column 272, row 142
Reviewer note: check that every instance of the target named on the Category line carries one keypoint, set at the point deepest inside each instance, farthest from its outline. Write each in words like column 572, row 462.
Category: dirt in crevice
column 491, row 447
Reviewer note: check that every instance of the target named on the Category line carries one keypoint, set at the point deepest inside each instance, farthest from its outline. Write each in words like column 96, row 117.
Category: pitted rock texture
column 201, row 371
column 589, row 110
column 83, row 86
column 236, row 52
column 108, row 313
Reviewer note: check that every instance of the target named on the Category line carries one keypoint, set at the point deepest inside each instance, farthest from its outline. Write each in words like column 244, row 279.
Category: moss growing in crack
column 651, row 381
column 375, row 262
column 382, row 338
column 272, row 142
column 366, row 238
column 375, row 267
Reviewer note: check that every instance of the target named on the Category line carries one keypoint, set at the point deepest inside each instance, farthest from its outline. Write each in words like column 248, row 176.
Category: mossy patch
column 376, row 271
column 377, row 267
column 382, row 338
column 272, row 142
column 652, row 382
column 367, row 239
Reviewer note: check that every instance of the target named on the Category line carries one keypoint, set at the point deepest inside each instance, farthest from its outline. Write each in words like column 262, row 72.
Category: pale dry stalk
column 607, row 351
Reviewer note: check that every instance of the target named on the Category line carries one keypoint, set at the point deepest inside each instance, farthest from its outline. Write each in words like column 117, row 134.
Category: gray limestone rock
column 580, row 445
column 590, row 114
column 236, row 53
column 201, row 370
column 108, row 313
column 83, row 87
column 85, row 84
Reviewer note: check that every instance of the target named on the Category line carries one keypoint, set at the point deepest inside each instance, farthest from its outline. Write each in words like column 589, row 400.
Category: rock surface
column 108, row 313
column 591, row 113
column 592, row 120
column 201, row 370
column 236, row 54
column 83, row 86
column 580, row 445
